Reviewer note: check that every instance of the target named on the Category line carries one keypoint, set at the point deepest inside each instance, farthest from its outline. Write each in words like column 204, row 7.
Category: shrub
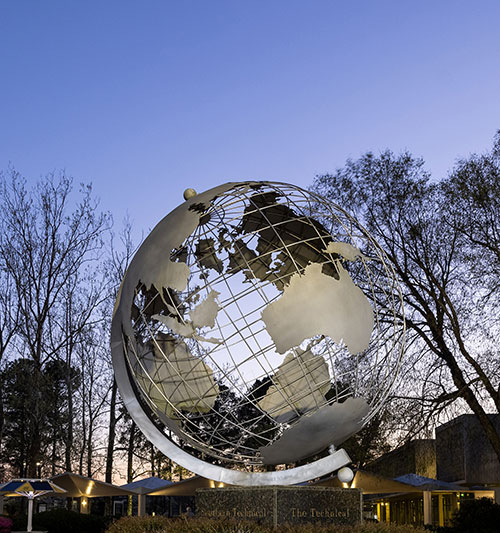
column 139, row 524
column 216, row 526
column 365, row 527
column 479, row 516
column 63, row 521
column 133, row 524
column 5, row 524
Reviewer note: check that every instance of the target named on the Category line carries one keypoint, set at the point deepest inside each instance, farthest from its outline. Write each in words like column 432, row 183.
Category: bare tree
column 436, row 236
column 9, row 318
column 46, row 241
column 93, row 398
column 120, row 258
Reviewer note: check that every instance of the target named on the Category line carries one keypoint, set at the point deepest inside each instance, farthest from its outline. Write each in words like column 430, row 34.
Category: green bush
column 478, row 516
column 139, row 524
column 216, row 526
column 133, row 524
column 62, row 521
column 365, row 527
column 5, row 524
column 146, row 524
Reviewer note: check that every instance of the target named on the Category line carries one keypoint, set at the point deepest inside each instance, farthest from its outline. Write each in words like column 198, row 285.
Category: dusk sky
column 145, row 99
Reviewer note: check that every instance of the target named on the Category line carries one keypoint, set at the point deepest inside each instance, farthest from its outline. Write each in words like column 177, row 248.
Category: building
column 464, row 455
column 416, row 457
column 456, row 466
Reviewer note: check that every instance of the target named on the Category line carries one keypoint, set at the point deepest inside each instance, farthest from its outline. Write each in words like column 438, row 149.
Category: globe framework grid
column 257, row 326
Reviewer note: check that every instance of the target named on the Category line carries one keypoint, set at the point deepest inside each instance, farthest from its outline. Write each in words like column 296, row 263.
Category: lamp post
column 31, row 496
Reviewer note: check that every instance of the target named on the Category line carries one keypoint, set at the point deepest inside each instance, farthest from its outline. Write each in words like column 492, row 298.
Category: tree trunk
column 90, row 449
column 70, row 414
column 152, row 458
column 84, row 437
column 35, row 444
column 130, row 453
column 2, row 418
column 111, row 434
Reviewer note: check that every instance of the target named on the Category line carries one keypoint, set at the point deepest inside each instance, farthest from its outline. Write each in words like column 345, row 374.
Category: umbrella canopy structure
column 82, row 487
column 147, row 485
column 187, row 487
column 370, row 484
column 422, row 483
column 77, row 486
column 24, row 487
column 31, row 489
column 143, row 487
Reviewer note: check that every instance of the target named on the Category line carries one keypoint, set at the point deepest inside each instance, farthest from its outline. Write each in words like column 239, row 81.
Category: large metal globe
column 257, row 326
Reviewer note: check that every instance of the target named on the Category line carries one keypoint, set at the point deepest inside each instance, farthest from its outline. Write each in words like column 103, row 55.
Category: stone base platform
column 275, row 505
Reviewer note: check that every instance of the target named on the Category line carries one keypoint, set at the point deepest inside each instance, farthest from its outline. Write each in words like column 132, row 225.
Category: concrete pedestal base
column 279, row 505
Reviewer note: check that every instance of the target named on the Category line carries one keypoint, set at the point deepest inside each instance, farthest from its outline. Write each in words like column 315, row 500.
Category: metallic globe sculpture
column 258, row 326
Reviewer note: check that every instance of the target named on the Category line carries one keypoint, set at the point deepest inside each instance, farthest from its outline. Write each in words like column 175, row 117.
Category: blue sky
column 144, row 99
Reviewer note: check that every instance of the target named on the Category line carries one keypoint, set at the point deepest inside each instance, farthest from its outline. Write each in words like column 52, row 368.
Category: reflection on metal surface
column 174, row 379
column 299, row 385
column 331, row 424
column 318, row 304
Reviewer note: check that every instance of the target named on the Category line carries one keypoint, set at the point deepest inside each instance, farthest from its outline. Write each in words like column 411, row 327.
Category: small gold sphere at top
column 189, row 193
